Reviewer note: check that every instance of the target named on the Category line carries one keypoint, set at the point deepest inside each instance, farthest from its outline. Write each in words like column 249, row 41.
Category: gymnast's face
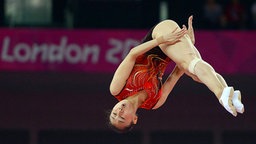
column 123, row 114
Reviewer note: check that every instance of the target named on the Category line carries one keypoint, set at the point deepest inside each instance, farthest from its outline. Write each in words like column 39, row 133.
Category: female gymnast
column 137, row 82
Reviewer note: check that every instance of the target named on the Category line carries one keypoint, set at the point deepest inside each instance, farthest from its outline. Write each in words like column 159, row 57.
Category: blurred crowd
column 210, row 14
column 234, row 14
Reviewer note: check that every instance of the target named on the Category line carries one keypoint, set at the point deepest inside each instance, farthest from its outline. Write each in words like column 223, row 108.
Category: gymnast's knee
column 203, row 68
column 192, row 65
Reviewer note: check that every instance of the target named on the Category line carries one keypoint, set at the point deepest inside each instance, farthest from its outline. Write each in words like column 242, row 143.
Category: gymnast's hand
column 173, row 37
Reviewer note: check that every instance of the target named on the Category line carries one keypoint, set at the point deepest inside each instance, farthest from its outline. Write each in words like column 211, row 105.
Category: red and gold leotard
column 146, row 75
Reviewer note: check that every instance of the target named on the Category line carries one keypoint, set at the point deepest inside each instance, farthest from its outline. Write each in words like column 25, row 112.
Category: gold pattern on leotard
column 146, row 75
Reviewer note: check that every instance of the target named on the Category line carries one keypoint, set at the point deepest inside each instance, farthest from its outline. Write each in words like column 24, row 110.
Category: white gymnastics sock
column 226, row 100
column 237, row 101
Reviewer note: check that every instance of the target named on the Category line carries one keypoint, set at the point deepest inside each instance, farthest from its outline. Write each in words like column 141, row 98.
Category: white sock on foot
column 237, row 101
column 226, row 100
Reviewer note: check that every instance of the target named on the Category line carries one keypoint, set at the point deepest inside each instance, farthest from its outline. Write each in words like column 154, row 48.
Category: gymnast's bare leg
column 188, row 59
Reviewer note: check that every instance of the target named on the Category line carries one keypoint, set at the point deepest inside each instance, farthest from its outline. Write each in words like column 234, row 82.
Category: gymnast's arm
column 169, row 85
column 124, row 69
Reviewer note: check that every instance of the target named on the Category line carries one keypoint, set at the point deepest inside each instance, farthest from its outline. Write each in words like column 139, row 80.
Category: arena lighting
column 163, row 10
column 36, row 3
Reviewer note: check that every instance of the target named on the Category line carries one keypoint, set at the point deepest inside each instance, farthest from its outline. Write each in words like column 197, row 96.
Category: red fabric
column 146, row 75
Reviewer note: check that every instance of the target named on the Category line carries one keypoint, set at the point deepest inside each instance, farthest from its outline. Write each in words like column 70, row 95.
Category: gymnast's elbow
column 132, row 55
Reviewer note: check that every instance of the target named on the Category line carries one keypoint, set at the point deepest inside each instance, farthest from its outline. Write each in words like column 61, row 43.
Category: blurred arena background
column 57, row 58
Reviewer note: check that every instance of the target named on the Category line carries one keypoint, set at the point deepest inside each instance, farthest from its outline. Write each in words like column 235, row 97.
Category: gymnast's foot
column 237, row 102
column 226, row 100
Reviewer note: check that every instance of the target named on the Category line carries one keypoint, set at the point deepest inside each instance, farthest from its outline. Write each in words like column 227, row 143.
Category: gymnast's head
column 123, row 117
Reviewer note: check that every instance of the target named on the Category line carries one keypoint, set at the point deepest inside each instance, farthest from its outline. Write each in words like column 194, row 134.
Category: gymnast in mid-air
column 137, row 82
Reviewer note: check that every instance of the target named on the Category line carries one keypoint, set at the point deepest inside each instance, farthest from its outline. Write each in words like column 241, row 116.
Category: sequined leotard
column 146, row 75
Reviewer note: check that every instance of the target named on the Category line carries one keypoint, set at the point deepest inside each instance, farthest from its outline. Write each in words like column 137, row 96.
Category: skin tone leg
column 207, row 76
column 221, row 79
column 183, row 52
